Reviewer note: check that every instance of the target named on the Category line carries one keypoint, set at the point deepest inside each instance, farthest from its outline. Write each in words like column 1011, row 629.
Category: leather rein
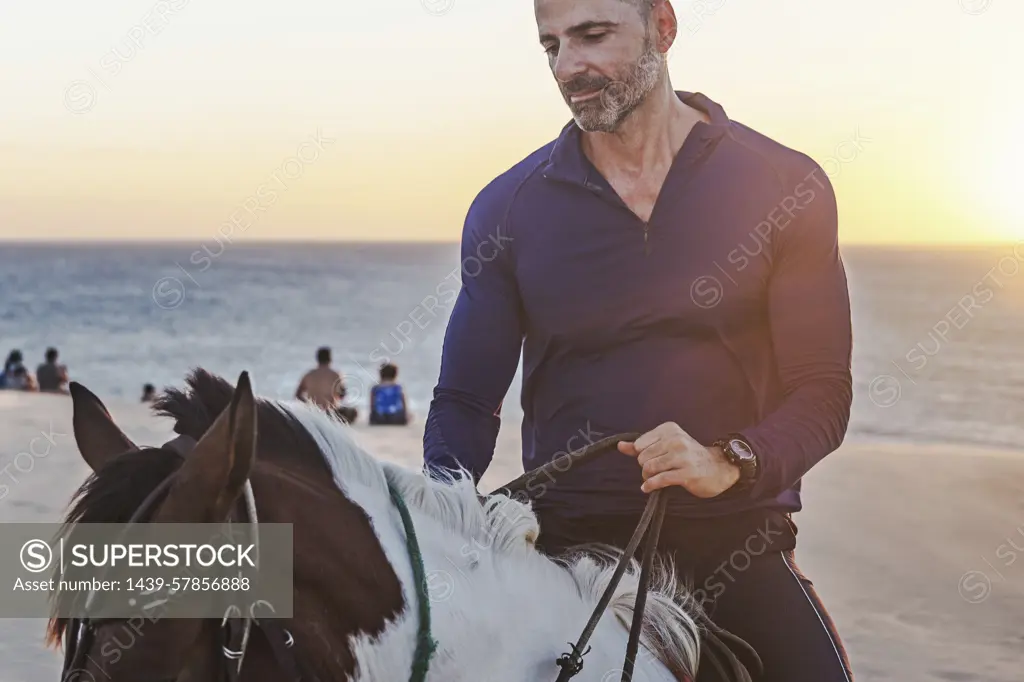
column 571, row 662
column 721, row 657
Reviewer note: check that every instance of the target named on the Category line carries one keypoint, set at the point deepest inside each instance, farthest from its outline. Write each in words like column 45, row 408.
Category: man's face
column 603, row 56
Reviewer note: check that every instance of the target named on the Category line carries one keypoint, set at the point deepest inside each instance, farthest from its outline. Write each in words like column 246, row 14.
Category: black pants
column 742, row 571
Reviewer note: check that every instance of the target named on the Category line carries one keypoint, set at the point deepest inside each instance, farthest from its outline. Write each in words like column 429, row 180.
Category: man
column 52, row 377
column 324, row 387
column 669, row 271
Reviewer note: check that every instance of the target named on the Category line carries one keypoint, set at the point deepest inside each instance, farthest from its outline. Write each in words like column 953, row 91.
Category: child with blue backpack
column 387, row 399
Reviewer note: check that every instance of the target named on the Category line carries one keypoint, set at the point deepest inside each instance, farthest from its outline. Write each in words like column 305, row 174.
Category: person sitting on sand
column 21, row 380
column 52, row 378
column 324, row 387
column 148, row 393
column 387, row 399
column 14, row 360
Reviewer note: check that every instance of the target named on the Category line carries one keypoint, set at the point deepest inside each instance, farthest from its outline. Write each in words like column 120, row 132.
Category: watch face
column 741, row 449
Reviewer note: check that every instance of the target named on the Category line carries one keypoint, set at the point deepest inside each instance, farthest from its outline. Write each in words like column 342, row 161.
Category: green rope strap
column 425, row 644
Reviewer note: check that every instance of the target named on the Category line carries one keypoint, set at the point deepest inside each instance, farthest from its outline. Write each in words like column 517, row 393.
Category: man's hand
column 670, row 456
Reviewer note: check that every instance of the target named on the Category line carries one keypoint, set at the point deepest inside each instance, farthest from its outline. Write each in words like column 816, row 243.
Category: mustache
column 584, row 83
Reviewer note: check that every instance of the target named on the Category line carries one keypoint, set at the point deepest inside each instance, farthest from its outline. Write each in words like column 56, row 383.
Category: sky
column 145, row 119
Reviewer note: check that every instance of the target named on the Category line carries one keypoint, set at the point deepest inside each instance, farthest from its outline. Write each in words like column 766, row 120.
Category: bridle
column 235, row 625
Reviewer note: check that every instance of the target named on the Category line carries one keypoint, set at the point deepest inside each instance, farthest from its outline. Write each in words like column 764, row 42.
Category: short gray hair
column 644, row 7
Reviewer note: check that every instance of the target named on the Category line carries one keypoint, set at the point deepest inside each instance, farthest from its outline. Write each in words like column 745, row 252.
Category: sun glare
column 1000, row 181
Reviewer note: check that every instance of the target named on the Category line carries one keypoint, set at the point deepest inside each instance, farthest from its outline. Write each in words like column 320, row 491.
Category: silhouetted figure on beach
column 148, row 393
column 11, row 364
column 21, row 380
column 324, row 387
column 52, row 378
column 387, row 399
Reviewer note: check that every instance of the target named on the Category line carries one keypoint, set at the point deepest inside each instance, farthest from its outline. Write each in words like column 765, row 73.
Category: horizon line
column 101, row 241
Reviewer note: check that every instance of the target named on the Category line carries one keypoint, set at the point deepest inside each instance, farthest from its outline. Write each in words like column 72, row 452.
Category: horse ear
column 212, row 477
column 97, row 436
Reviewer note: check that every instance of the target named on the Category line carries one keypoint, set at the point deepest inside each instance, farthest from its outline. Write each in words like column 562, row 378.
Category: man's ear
column 667, row 24
column 214, row 473
column 97, row 436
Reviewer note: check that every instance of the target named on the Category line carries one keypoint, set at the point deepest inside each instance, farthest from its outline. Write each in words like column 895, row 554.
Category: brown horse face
column 204, row 490
column 344, row 584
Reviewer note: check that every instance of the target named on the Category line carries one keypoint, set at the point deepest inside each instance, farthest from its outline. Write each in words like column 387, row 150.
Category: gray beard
column 619, row 99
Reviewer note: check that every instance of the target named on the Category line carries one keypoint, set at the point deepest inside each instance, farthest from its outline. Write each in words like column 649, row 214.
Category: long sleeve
column 481, row 349
column 809, row 310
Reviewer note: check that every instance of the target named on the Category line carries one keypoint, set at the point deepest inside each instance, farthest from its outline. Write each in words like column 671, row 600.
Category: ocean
column 937, row 332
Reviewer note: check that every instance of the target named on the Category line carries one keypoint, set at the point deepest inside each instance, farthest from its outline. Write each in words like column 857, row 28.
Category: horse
column 504, row 610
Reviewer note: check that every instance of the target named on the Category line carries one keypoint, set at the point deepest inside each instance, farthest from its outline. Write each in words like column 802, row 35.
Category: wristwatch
column 738, row 451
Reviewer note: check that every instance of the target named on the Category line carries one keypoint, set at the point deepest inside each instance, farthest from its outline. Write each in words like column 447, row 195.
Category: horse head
column 335, row 549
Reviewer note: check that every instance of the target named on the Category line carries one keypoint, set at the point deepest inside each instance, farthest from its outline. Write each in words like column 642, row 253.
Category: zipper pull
column 647, row 246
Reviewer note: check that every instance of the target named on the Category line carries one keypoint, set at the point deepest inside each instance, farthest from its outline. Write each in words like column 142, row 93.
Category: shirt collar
column 568, row 162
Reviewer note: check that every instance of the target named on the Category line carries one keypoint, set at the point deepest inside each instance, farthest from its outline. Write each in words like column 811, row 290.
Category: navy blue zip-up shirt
column 728, row 311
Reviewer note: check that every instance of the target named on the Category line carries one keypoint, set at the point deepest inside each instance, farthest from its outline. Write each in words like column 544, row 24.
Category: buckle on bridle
column 226, row 623
column 573, row 661
column 231, row 654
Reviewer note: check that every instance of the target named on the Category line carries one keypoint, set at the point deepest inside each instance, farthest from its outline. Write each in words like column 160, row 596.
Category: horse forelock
column 207, row 395
column 195, row 408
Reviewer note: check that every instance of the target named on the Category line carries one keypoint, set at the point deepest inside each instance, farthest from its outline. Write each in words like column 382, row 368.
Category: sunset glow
column 135, row 119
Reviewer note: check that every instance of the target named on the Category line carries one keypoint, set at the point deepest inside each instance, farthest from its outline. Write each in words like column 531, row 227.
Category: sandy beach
column 908, row 544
